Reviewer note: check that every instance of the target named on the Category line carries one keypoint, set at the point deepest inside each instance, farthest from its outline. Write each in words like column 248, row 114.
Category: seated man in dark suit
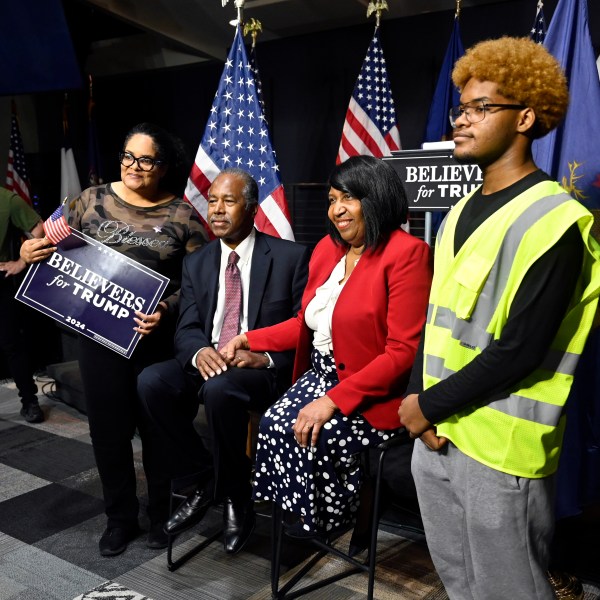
column 219, row 299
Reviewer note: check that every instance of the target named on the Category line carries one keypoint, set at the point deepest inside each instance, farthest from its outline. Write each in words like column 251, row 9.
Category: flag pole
column 457, row 13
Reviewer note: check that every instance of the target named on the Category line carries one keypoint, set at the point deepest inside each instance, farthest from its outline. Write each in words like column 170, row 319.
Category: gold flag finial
column 377, row 7
column 457, row 13
column 253, row 27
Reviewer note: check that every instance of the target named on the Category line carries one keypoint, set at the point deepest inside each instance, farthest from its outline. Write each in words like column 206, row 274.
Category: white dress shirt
column 244, row 250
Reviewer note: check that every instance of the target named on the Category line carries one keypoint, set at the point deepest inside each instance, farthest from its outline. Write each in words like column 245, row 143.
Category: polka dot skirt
column 321, row 483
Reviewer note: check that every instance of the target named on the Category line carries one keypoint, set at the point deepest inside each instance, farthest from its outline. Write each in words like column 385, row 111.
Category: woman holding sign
column 140, row 217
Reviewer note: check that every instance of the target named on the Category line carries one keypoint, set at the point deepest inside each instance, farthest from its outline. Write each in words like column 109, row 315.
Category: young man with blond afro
column 515, row 288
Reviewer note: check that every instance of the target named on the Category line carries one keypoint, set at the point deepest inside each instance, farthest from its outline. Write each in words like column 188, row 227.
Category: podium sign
column 433, row 179
column 94, row 290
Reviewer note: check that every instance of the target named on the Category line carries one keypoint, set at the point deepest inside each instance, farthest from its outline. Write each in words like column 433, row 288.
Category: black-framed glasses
column 475, row 112
column 145, row 163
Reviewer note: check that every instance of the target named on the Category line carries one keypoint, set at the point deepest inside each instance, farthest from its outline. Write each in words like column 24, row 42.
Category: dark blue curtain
column 36, row 51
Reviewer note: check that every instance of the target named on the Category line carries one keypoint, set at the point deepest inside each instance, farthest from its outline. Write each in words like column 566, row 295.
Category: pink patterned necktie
column 233, row 301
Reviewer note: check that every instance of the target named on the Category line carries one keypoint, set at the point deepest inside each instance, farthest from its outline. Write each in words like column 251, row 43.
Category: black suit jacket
column 278, row 275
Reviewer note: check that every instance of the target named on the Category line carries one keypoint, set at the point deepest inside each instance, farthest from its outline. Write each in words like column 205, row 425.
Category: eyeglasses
column 476, row 112
column 145, row 163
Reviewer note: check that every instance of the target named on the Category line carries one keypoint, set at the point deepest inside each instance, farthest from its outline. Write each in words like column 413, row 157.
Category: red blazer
column 376, row 325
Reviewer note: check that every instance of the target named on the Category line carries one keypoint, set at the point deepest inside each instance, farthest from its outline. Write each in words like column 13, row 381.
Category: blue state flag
column 571, row 153
column 446, row 95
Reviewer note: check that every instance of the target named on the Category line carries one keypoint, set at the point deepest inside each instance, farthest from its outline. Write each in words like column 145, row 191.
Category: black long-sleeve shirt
column 535, row 315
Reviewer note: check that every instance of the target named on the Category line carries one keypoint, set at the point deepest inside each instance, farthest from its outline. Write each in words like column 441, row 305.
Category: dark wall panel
column 307, row 84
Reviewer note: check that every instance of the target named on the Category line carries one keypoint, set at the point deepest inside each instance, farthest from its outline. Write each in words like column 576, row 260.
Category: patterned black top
column 155, row 236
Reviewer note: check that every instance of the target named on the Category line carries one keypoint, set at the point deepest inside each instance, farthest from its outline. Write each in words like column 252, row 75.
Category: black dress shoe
column 114, row 540
column 32, row 413
column 296, row 530
column 238, row 524
column 190, row 513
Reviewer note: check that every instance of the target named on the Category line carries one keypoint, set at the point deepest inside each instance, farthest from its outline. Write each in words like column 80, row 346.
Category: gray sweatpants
column 488, row 533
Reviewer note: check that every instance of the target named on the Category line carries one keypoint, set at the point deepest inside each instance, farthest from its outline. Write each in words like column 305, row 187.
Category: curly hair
column 170, row 149
column 524, row 71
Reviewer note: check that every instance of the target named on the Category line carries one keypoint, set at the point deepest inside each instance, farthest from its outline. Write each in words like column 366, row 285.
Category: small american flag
column 370, row 125
column 237, row 135
column 16, row 175
column 56, row 227
column 538, row 31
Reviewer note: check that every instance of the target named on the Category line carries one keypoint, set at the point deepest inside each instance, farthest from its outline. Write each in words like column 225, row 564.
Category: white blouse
column 319, row 311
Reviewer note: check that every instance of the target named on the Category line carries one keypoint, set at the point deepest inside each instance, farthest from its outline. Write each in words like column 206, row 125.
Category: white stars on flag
column 236, row 135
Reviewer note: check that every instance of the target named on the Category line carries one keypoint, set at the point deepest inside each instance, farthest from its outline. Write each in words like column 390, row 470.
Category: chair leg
column 276, row 535
column 364, row 536
column 176, row 485
column 361, row 535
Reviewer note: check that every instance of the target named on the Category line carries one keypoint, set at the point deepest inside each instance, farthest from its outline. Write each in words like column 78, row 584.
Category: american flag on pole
column 56, row 227
column 538, row 31
column 370, row 125
column 236, row 135
column 16, row 174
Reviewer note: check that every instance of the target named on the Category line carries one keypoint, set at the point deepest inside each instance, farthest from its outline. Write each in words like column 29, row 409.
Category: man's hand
column 411, row 416
column 210, row 363
column 311, row 418
column 12, row 267
column 431, row 440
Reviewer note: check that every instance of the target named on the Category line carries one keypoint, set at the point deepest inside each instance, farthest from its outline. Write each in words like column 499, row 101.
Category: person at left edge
column 16, row 214
column 141, row 217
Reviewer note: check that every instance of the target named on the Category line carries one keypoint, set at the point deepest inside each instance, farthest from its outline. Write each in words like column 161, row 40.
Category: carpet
column 51, row 517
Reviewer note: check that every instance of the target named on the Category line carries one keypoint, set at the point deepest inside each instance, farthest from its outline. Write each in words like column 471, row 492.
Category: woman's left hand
column 148, row 323
column 311, row 418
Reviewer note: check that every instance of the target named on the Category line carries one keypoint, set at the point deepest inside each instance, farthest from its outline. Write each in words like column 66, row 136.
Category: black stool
column 364, row 535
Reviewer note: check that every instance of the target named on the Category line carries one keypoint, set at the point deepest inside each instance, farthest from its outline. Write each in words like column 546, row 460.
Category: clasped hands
column 235, row 353
column 311, row 417
column 417, row 425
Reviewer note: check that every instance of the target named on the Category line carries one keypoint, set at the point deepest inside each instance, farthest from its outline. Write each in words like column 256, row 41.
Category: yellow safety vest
column 520, row 430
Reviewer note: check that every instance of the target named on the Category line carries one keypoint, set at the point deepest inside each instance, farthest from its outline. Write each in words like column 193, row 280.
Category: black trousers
column 113, row 410
column 13, row 343
column 170, row 398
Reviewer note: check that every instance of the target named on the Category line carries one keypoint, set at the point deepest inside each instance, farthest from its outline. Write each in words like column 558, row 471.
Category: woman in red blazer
column 355, row 337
